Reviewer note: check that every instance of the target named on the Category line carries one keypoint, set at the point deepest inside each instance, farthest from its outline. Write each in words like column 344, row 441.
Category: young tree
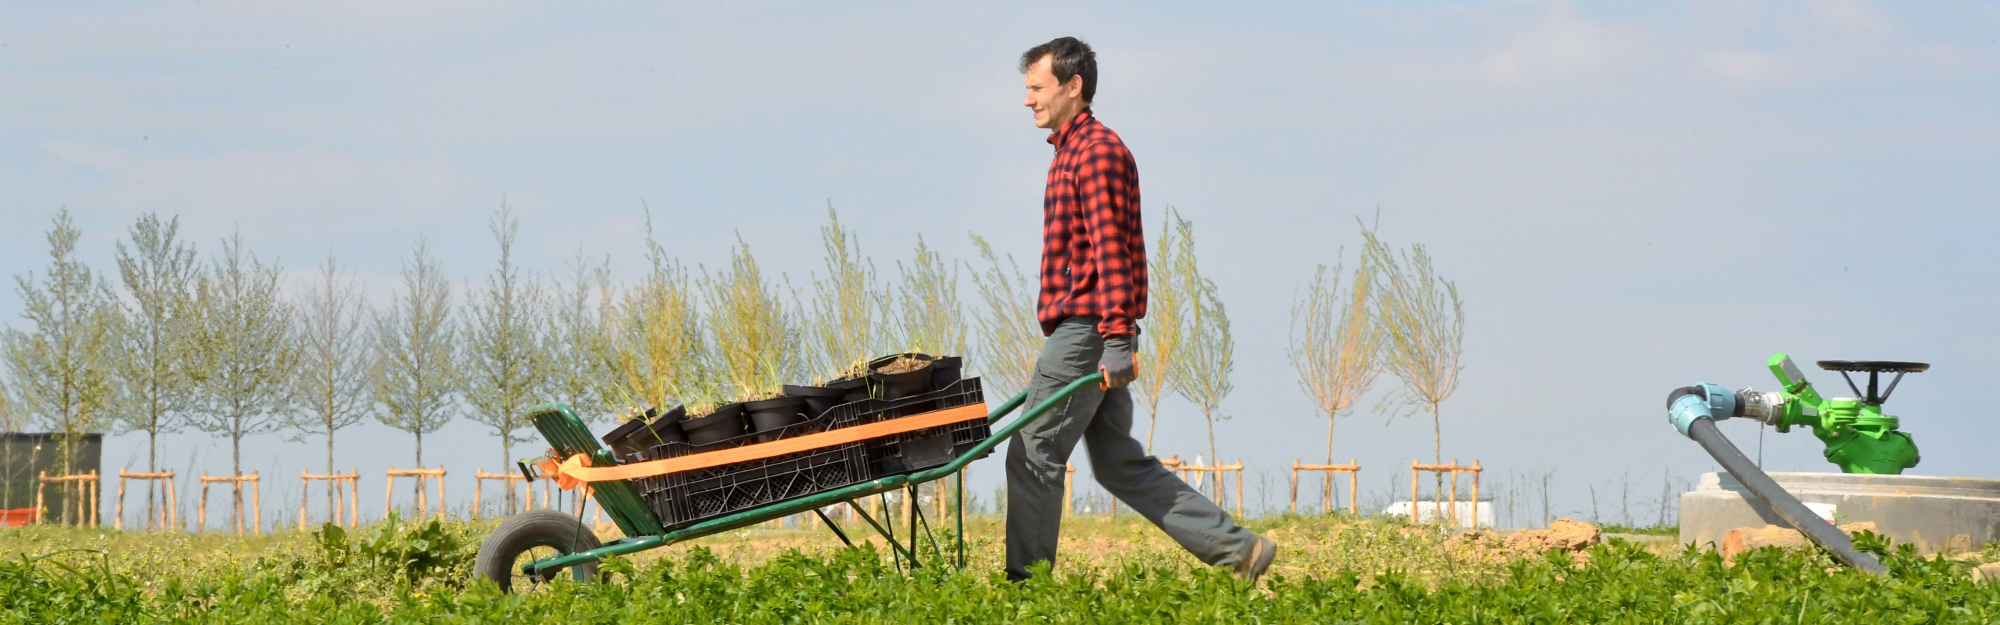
column 661, row 351
column 63, row 366
column 246, row 353
column 1335, row 343
column 848, row 307
column 333, row 344
column 1423, row 326
column 1207, row 352
column 159, row 274
column 932, row 321
column 1167, row 311
column 582, row 356
column 415, row 373
column 753, row 333
column 1207, row 360
column 1010, row 338
column 504, row 369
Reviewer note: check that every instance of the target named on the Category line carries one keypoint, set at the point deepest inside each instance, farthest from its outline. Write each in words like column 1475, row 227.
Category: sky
column 1629, row 196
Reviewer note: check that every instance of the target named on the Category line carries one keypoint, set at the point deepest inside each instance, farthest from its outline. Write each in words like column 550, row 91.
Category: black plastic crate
column 914, row 451
column 688, row 497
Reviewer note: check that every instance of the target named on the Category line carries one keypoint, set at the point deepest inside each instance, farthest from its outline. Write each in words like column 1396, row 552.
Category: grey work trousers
column 1103, row 420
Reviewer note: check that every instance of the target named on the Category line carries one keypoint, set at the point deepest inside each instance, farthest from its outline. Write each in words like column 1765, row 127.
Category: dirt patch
column 905, row 364
column 1570, row 537
column 1744, row 539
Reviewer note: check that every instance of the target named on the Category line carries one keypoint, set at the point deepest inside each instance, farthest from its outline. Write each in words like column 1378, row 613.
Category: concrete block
column 1952, row 514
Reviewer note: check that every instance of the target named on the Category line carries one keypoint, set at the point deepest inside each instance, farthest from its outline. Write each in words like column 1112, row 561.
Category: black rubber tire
column 527, row 530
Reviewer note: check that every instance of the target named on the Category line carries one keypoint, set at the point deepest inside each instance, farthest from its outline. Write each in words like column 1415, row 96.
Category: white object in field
column 1433, row 511
column 1824, row 510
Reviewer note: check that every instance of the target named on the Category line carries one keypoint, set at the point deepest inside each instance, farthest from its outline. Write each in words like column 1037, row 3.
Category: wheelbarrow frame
column 643, row 529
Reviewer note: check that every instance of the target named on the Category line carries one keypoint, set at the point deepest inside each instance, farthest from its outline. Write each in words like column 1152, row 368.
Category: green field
column 1333, row 570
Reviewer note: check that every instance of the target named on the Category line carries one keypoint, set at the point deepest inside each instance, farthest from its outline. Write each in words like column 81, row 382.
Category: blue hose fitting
column 1701, row 401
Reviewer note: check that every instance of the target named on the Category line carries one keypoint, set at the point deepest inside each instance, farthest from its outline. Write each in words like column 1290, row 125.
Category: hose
column 1760, row 485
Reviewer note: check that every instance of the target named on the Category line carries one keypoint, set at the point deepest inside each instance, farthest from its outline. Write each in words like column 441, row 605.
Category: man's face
column 1054, row 102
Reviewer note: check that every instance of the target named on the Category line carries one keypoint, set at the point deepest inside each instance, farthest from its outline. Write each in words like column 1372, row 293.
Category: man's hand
column 1118, row 365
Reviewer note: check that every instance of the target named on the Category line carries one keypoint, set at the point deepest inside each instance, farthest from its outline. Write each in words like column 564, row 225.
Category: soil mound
column 1744, row 539
column 1570, row 537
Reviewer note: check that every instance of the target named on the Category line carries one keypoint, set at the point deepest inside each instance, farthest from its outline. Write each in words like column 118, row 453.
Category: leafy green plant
column 754, row 335
column 848, row 306
column 661, row 352
column 1010, row 338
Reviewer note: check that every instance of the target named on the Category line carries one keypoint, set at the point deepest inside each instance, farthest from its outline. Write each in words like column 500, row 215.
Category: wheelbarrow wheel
column 530, row 536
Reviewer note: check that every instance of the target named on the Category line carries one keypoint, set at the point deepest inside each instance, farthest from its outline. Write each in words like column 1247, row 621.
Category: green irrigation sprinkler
column 1859, row 437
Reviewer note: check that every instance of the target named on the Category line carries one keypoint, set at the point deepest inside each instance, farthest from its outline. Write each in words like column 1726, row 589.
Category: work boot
column 1259, row 558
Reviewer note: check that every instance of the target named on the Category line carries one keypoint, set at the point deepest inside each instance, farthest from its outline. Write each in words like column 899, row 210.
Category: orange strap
column 574, row 470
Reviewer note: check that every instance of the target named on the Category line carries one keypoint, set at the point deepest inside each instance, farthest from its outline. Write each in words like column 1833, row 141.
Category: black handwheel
column 531, row 536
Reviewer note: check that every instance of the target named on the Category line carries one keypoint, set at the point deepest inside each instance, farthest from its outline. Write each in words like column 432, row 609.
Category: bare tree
column 333, row 343
column 159, row 274
column 1423, row 325
column 1335, row 342
column 661, row 352
column 415, row 374
column 848, row 307
column 1208, row 350
column 931, row 320
column 246, row 352
column 1167, row 312
column 753, row 334
column 1010, row 337
column 503, row 369
column 581, row 354
column 62, row 368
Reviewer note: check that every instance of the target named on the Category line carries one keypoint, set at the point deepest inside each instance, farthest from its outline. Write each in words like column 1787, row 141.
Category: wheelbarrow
column 587, row 465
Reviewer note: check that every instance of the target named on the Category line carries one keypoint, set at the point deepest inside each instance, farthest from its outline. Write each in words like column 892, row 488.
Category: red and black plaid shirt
column 1093, row 243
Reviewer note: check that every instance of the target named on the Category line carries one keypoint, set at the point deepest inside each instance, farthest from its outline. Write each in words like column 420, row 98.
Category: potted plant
column 818, row 398
column 901, row 375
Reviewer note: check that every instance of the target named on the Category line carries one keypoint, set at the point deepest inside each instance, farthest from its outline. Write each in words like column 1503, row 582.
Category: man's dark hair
column 1068, row 57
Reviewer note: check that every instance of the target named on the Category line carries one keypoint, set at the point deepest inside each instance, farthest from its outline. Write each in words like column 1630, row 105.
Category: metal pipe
column 1761, row 485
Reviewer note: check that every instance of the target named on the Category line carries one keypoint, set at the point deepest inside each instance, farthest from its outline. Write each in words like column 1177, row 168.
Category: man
column 1093, row 294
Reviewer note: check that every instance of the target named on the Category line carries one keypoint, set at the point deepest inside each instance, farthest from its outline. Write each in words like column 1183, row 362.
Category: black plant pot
column 944, row 371
column 904, row 384
column 631, row 439
column 723, row 424
column 818, row 398
column 852, row 389
column 769, row 416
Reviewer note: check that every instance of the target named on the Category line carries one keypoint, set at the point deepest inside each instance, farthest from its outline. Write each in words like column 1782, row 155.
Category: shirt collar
column 1062, row 135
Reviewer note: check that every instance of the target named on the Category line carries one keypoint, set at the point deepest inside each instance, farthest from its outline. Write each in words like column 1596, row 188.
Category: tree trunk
column 330, row 504
column 1437, row 452
column 1213, row 460
column 506, row 452
column 1329, row 439
column 1152, row 421
column 152, row 466
column 236, row 467
column 419, row 482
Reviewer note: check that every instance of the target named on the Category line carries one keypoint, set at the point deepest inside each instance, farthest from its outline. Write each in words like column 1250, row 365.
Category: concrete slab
column 1952, row 514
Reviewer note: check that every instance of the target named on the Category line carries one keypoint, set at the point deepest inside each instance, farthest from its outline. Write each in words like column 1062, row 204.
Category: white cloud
column 1563, row 42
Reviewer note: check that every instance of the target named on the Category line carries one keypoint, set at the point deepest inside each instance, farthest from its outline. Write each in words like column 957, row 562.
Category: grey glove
column 1118, row 364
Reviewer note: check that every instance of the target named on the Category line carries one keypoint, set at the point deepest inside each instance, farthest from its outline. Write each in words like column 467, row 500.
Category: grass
column 1333, row 570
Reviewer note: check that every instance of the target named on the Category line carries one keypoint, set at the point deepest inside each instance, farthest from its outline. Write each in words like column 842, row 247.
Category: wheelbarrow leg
column 833, row 526
column 917, row 516
column 960, row 513
column 895, row 548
